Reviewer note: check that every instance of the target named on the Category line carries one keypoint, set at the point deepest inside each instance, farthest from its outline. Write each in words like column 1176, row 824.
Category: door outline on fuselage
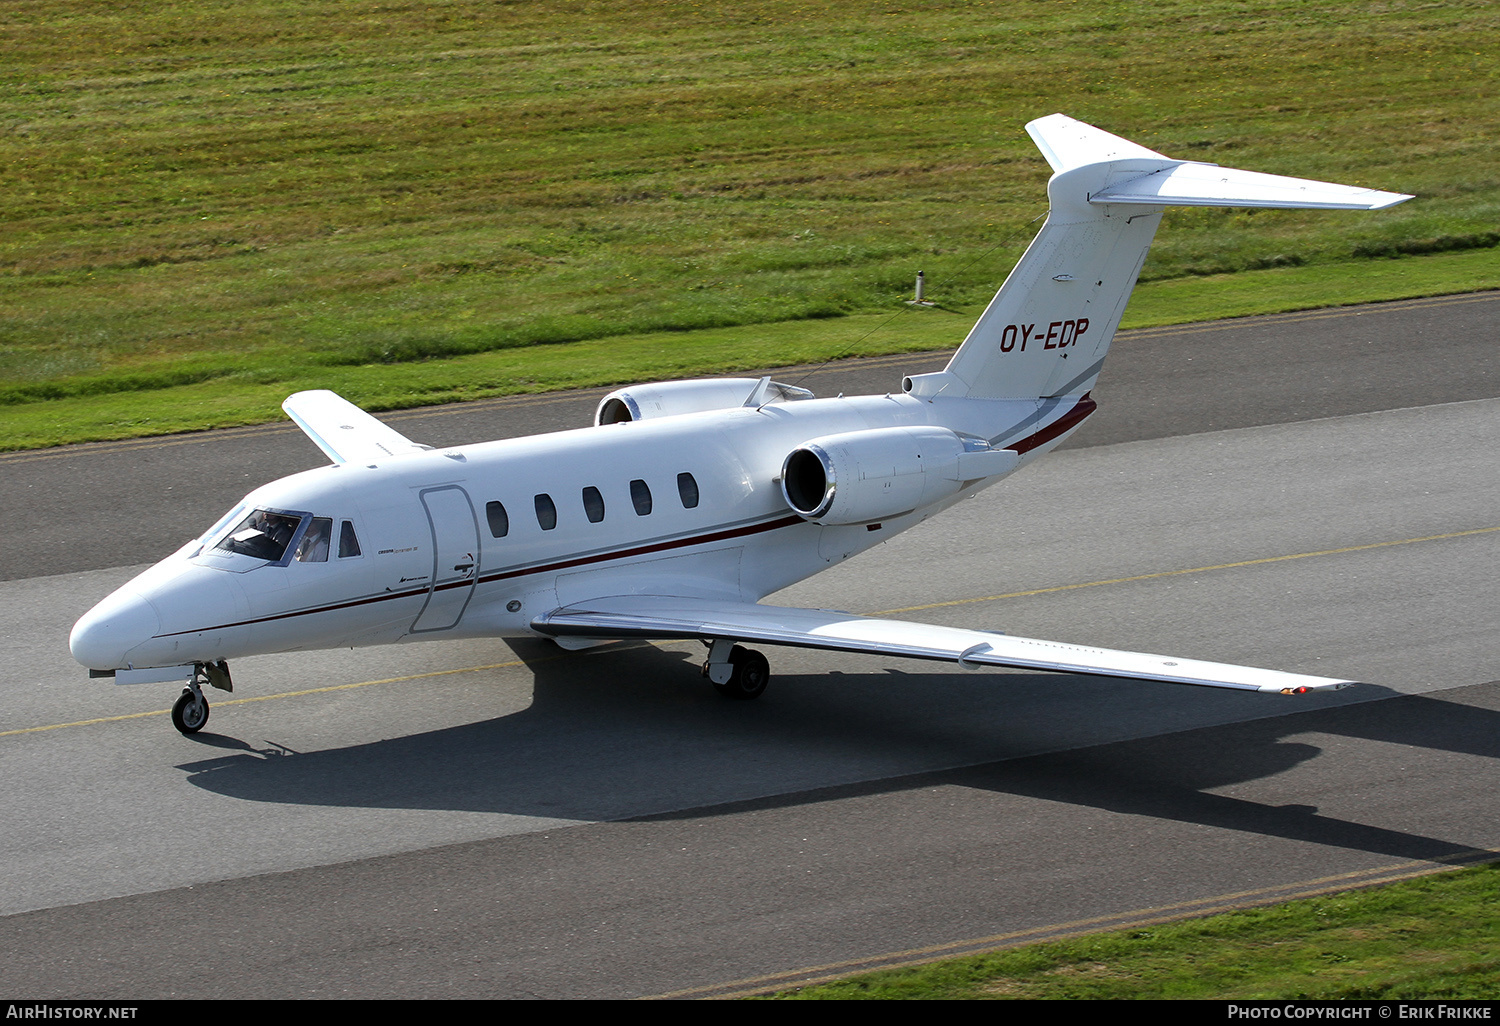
column 455, row 558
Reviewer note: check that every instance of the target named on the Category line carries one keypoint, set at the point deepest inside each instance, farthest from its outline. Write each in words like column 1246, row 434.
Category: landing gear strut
column 736, row 672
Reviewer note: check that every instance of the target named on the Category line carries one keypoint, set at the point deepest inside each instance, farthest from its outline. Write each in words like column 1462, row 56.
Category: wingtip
column 1308, row 689
column 1391, row 199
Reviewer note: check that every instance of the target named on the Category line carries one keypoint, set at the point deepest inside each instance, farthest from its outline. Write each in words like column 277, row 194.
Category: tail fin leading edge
column 1046, row 332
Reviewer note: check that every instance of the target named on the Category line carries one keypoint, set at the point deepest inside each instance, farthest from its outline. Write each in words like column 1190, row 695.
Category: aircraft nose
column 106, row 633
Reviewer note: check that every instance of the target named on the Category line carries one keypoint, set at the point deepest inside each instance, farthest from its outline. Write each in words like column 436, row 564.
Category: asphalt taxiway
column 1313, row 492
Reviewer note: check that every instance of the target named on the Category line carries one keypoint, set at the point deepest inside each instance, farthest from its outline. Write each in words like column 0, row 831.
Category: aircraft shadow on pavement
column 635, row 733
column 1172, row 777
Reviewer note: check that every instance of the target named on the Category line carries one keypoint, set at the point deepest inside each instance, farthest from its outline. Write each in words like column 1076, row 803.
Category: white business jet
column 690, row 501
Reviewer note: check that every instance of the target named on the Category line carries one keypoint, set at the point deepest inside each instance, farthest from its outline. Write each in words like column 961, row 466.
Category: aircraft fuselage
column 478, row 539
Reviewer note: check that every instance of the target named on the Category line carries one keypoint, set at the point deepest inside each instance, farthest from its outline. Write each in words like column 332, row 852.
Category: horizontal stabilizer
column 1208, row 185
column 1161, row 181
column 343, row 431
column 648, row 616
column 1047, row 331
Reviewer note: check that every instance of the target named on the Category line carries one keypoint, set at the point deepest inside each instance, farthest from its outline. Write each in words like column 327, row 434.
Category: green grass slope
column 1434, row 938
column 231, row 196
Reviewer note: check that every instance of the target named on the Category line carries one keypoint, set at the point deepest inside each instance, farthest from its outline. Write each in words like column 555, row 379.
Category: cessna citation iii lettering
column 688, row 502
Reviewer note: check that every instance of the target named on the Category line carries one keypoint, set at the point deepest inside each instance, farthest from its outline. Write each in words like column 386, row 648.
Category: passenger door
column 455, row 554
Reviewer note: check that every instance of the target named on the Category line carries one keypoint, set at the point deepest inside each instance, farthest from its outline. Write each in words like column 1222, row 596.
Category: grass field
column 209, row 203
column 1434, row 938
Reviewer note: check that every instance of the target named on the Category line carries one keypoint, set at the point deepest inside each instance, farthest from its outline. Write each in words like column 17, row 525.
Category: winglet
column 343, row 431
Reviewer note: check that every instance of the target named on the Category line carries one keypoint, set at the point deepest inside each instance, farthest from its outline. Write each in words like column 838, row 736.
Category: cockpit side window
column 314, row 545
column 348, row 543
column 262, row 535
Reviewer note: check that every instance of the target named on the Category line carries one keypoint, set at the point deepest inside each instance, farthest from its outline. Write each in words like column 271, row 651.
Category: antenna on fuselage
column 757, row 397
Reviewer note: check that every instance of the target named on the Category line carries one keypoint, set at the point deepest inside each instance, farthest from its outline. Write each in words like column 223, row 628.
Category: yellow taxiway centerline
column 886, row 612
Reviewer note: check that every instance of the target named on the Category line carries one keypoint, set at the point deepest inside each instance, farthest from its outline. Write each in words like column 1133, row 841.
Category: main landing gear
column 190, row 711
column 736, row 672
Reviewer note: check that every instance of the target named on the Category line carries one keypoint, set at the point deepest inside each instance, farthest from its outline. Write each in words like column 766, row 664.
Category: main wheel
column 189, row 712
column 751, row 674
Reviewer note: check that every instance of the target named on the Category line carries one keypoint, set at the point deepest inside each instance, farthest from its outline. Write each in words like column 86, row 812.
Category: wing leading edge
column 648, row 616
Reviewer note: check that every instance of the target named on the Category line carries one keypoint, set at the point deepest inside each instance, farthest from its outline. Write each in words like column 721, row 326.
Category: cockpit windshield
column 262, row 535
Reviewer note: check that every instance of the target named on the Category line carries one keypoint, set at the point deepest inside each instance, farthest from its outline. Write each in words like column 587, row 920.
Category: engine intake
column 862, row 476
column 674, row 398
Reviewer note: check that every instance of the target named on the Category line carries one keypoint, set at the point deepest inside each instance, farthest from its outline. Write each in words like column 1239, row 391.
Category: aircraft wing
column 343, row 431
column 649, row 616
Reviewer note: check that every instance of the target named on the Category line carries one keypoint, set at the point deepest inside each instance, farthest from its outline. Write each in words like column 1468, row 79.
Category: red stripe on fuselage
column 1066, row 422
column 505, row 575
column 644, row 550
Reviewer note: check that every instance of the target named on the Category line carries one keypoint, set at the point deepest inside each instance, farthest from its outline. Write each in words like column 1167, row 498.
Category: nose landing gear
column 190, row 711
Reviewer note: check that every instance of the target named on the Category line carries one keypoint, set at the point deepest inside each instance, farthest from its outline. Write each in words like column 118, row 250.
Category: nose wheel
column 190, row 711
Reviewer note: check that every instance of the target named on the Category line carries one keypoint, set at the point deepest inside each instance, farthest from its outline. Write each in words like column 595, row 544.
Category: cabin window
column 262, row 535
column 498, row 518
column 314, row 545
column 687, row 488
column 546, row 512
column 593, row 504
column 348, row 543
column 640, row 497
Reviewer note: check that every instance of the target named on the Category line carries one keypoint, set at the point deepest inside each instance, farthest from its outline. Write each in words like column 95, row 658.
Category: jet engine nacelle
column 673, row 398
column 862, row 476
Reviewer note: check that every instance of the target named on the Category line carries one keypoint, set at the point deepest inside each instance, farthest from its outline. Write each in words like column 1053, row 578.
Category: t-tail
column 1046, row 332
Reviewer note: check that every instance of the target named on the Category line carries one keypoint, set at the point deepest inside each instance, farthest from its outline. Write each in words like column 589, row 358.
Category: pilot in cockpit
column 314, row 545
column 263, row 534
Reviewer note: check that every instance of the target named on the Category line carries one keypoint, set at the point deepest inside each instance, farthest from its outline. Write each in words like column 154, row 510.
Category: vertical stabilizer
column 1046, row 332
